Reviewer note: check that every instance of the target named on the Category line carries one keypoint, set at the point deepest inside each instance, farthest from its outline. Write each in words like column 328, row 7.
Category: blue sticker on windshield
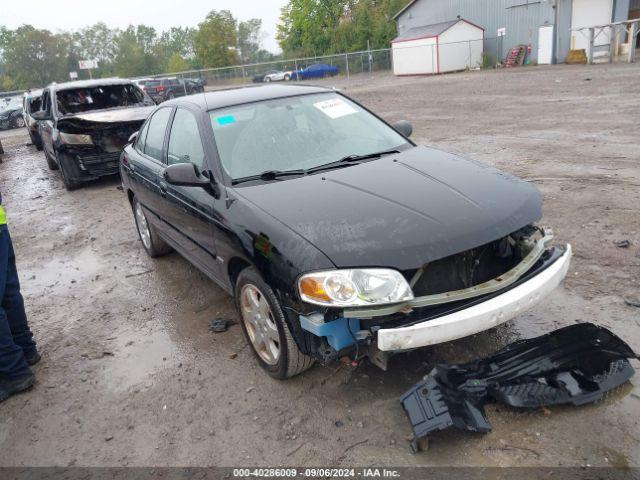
column 226, row 120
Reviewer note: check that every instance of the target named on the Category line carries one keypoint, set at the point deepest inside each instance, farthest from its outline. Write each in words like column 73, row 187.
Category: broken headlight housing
column 354, row 287
column 75, row 139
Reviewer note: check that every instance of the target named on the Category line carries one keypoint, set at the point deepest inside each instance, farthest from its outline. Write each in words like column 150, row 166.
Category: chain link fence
column 355, row 66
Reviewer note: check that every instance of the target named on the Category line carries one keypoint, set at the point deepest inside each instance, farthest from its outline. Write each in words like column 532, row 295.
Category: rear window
column 78, row 100
column 153, row 83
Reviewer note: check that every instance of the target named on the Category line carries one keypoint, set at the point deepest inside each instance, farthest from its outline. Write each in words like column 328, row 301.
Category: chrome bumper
column 478, row 317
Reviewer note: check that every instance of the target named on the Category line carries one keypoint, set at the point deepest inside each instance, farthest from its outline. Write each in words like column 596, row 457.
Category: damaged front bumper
column 432, row 319
column 479, row 317
column 82, row 164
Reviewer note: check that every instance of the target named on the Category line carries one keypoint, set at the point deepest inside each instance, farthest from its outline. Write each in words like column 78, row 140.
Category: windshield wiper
column 269, row 175
column 350, row 159
column 344, row 161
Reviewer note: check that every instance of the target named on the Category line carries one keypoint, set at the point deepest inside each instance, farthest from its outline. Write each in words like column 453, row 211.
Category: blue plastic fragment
column 336, row 331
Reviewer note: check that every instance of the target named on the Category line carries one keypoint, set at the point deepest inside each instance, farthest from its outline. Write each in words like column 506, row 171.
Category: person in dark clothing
column 17, row 349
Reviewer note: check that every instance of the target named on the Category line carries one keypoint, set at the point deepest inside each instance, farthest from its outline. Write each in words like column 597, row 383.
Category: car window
column 298, row 132
column 46, row 102
column 155, row 133
column 185, row 145
column 77, row 100
column 142, row 136
column 34, row 104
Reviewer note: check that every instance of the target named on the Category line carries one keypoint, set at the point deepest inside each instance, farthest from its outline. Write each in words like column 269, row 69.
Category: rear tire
column 18, row 122
column 290, row 361
column 151, row 241
column 287, row 77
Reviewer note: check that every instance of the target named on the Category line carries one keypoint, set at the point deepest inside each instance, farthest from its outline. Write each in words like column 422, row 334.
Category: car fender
column 278, row 253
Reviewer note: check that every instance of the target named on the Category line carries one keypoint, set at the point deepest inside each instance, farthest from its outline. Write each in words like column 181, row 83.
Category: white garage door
column 587, row 13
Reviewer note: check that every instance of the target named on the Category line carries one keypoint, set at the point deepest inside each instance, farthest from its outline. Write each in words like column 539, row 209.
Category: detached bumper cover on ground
column 576, row 364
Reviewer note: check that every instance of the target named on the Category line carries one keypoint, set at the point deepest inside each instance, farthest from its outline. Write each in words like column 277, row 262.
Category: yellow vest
column 3, row 217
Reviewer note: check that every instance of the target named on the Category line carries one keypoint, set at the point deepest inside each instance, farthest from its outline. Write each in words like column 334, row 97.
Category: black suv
column 163, row 89
column 84, row 125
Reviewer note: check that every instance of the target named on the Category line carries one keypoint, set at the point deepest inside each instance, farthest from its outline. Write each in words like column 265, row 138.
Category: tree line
column 323, row 27
column 32, row 57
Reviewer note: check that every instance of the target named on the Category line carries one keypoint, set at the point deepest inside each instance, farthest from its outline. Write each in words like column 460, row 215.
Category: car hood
column 8, row 112
column 402, row 210
column 117, row 115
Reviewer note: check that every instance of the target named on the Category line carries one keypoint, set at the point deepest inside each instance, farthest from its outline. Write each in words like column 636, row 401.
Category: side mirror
column 40, row 115
column 133, row 137
column 185, row 175
column 404, row 127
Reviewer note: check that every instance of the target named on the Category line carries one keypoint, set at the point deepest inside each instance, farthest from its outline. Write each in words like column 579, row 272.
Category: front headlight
column 75, row 139
column 354, row 287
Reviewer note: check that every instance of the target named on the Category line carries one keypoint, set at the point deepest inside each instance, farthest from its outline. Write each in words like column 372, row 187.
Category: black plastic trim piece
column 575, row 365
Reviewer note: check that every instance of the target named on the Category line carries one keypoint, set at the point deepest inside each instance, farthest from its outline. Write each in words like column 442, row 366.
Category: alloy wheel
column 143, row 226
column 259, row 322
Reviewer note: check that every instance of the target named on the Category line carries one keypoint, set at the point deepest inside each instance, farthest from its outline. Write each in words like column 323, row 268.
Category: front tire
column 266, row 329
column 151, row 241
column 69, row 183
column 287, row 77
column 19, row 122
column 51, row 162
column 36, row 141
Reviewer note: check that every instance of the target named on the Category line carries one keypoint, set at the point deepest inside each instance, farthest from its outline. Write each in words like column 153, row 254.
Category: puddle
column 57, row 274
column 177, row 341
column 137, row 358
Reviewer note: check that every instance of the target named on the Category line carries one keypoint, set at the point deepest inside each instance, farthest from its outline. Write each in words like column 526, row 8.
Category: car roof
column 33, row 93
column 239, row 95
column 89, row 83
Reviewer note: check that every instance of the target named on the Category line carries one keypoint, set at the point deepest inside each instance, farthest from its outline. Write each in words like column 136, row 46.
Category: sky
column 160, row 14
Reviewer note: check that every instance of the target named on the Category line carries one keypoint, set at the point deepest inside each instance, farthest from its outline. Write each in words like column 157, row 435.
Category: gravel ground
column 132, row 376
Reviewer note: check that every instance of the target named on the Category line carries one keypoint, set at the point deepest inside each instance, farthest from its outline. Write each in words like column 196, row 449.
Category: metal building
column 544, row 24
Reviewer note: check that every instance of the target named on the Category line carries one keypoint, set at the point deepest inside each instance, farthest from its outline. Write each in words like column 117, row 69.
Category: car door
column 189, row 211
column 313, row 71
column 181, row 87
column 45, row 127
column 147, row 163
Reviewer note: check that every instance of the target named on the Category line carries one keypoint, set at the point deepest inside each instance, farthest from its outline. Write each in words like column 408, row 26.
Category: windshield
column 297, row 133
column 78, row 100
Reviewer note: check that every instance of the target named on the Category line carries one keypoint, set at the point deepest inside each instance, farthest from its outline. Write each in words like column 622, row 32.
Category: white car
column 278, row 76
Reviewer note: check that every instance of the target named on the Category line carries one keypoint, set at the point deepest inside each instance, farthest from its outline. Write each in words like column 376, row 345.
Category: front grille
column 100, row 163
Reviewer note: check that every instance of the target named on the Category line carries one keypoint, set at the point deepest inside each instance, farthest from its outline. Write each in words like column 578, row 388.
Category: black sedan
column 335, row 234
column 11, row 113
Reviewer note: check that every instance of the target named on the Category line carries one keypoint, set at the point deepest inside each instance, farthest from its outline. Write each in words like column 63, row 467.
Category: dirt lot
column 132, row 376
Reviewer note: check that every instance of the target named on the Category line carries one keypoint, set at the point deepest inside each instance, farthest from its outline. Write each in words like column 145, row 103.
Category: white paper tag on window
column 335, row 108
